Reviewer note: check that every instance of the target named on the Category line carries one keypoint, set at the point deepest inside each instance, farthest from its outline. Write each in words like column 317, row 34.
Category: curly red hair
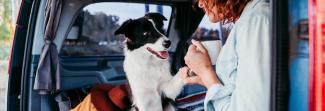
column 227, row 10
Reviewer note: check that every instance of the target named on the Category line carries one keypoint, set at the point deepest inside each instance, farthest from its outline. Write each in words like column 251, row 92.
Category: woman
column 241, row 80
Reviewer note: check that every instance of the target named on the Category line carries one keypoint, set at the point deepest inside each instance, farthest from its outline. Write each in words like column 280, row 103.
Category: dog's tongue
column 164, row 54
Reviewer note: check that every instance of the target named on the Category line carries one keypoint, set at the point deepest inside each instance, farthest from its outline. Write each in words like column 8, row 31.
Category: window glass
column 92, row 33
column 207, row 30
column 299, row 55
column 212, row 36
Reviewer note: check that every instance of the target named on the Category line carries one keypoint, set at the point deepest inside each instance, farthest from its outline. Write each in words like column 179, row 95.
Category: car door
column 20, row 52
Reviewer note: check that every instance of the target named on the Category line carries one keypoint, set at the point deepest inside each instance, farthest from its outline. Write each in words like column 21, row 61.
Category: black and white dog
column 146, row 63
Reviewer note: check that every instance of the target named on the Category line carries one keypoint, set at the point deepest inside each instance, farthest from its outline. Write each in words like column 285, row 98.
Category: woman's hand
column 197, row 59
column 206, row 82
column 189, row 79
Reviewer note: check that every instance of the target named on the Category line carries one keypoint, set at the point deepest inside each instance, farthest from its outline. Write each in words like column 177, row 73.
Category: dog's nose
column 166, row 43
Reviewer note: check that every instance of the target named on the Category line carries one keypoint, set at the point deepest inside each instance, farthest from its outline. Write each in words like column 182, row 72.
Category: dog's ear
column 124, row 27
column 156, row 16
column 158, row 19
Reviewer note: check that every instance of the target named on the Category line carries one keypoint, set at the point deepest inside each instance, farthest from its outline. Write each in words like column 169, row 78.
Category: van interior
column 89, row 53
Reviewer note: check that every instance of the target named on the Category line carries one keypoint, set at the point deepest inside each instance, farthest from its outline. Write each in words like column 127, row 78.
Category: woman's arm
column 251, row 83
column 247, row 86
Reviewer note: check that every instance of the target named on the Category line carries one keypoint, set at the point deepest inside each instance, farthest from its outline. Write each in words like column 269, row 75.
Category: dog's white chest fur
column 149, row 78
column 145, row 70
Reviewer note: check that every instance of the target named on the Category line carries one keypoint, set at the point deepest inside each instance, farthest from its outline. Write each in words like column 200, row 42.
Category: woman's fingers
column 186, row 79
column 191, row 49
column 193, row 80
column 199, row 46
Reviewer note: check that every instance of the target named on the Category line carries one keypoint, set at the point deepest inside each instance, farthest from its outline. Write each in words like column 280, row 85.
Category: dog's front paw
column 179, row 77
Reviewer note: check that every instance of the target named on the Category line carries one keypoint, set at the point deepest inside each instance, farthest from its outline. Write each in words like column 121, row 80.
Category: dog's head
column 158, row 19
column 146, row 33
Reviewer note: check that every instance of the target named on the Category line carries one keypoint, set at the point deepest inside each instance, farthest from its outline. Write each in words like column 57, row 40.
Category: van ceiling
column 149, row 1
column 142, row 0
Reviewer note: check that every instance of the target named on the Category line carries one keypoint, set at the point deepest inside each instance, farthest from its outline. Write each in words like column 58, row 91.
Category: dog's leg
column 148, row 101
column 169, row 107
column 172, row 87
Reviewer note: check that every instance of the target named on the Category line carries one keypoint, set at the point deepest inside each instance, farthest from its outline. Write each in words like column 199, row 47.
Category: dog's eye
column 146, row 33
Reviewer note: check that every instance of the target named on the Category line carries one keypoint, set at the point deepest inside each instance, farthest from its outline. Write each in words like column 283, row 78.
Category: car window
column 92, row 33
column 212, row 36
column 207, row 30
